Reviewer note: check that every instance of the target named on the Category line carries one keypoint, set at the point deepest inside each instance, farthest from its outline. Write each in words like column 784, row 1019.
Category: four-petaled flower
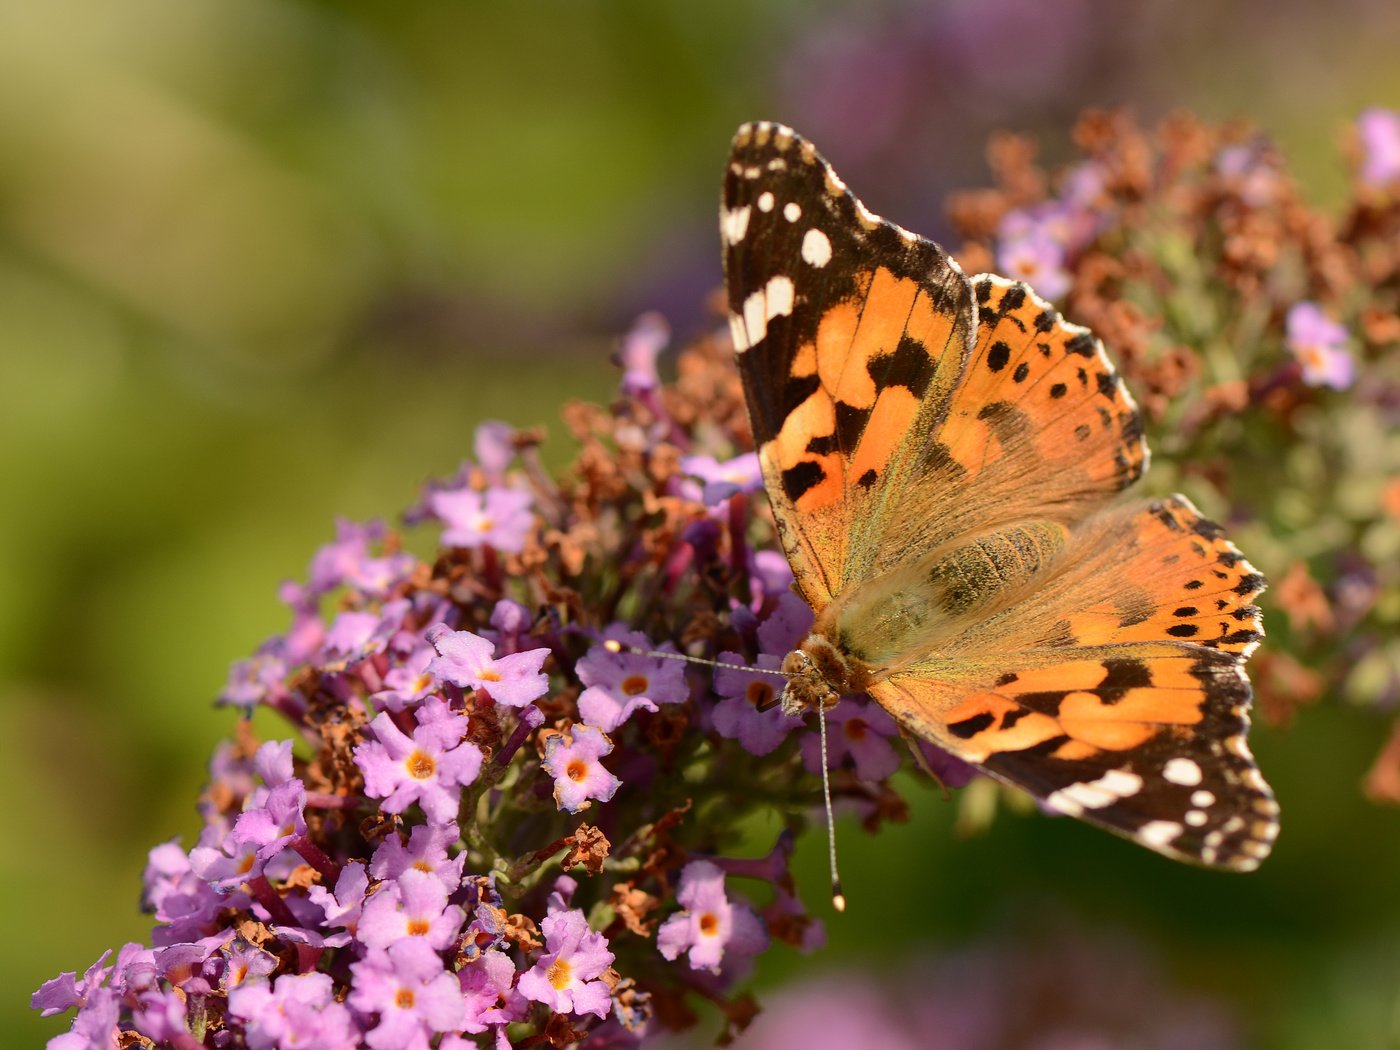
column 861, row 731
column 620, row 683
column 467, row 660
column 429, row 768
column 566, row 977
column 578, row 774
column 499, row 517
column 1379, row 132
column 1320, row 346
column 411, row 991
column 722, row 480
column 295, row 1011
column 709, row 924
column 415, row 905
column 749, row 712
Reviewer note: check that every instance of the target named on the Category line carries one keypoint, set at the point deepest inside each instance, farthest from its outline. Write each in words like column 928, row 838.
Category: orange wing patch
column 1043, row 390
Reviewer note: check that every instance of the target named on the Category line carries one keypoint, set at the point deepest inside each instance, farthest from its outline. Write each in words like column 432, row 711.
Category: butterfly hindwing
column 1126, row 702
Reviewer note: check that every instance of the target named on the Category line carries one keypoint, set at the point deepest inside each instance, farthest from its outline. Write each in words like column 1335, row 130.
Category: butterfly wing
column 1127, row 705
column 847, row 365
column 898, row 407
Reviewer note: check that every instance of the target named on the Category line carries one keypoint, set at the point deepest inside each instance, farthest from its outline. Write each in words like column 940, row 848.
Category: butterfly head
column 819, row 674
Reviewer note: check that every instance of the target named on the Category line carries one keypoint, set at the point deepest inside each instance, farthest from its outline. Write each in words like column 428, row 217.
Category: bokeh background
column 267, row 263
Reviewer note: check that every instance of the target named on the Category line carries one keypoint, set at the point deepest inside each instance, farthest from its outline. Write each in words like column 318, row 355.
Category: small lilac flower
column 620, row 683
column 1037, row 259
column 347, row 561
column 486, row 984
column 247, row 962
column 426, row 851
column 511, row 620
column 578, row 774
column 1379, row 131
column 294, row 1012
column 409, row 681
column 355, row 635
column 411, row 991
column 737, row 716
column 1320, row 346
column 709, row 925
column 722, row 480
column 565, row 978
column 499, row 517
column 1247, row 170
column 260, row 679
column 304, row 638
column 786, row 626
column 429, row 768
column 65, row 991
column 185, row 904
column 495, row 448
column 160, row 1016
column 950, row 770
column 466, row 660
column 861, row 731
column 343, row 907
column 769, row 575
column 639, row 351
column 413, row 906
column 95, row 1026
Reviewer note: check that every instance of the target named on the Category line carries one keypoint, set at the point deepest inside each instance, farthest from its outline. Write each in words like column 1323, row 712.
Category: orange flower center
column 709, row 924
column 485, row 525
column 417, row 928
column 490, row 675
column 404, row 999
column 856, row 729
column 560, row 973
column 759, row 693
column 577, row 770
column 420, row 766
column 635, row 684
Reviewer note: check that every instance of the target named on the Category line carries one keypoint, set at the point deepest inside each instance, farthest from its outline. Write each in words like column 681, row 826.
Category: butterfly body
column 942, row 454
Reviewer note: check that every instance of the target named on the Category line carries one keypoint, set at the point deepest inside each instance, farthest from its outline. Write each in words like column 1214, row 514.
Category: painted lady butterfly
column 941, row 454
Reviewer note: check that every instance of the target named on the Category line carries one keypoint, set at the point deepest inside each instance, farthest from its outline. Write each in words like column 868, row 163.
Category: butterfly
column 943, row 455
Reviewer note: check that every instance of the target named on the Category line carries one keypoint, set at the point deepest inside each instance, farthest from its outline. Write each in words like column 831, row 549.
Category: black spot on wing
column 909, row 366
column 970, row 727
column 799, row 479
column 850, row 424
column 997, row 355
column 1123, row 673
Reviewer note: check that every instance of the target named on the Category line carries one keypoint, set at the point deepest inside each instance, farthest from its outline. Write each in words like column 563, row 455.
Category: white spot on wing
column 1108, row 789
column 734, row 224
column 1196, row 818
column 816, row 248
column 775, row 299
column 1202, row 798
column 792, row 211
column 765, row 201
column 1159, row 833
column 1182, row 771
column 739, row 333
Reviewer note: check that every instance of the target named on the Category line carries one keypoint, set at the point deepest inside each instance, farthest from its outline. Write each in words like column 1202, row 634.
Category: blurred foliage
column 267, row 263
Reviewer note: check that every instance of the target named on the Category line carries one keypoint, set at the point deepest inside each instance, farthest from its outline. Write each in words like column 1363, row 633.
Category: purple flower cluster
column 468, row 730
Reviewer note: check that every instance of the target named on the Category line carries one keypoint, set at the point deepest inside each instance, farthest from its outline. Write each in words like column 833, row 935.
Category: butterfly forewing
column 942, row 455
column 850, row 333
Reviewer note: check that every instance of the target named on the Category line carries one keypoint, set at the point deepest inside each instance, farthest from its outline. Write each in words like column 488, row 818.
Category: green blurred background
column 266, row 263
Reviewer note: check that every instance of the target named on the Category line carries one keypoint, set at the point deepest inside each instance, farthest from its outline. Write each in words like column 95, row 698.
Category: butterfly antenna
column 614, row 646
column 838, row 899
